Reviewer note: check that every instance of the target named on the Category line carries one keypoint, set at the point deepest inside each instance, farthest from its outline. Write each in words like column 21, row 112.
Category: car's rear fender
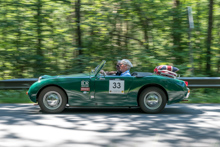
column 151, row 85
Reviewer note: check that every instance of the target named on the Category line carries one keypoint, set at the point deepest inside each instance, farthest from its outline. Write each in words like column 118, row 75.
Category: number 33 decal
column 116, row 86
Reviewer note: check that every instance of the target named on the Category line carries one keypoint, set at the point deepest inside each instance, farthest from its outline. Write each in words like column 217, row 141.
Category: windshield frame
column 99, row 68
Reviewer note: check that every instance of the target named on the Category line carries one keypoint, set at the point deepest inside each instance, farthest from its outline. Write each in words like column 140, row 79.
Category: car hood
column 81, row 75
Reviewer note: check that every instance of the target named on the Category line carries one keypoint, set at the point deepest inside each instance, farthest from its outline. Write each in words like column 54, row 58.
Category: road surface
column 24, row 125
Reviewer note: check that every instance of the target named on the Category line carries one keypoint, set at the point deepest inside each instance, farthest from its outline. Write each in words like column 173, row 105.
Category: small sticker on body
column 84, row 83
column 85, row 88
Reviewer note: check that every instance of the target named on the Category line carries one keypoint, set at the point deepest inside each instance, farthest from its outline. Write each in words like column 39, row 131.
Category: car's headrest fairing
column 141, row 74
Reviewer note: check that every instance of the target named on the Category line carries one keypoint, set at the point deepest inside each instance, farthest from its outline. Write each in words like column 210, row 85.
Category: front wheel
column 52, row 100
column 152, row 100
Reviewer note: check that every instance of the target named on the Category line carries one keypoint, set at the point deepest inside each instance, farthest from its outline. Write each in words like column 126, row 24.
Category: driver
column 117, row 73
column 125, row 66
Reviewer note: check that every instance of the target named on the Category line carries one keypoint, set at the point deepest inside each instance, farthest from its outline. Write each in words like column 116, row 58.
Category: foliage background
column 39, row 37
column 70, row 36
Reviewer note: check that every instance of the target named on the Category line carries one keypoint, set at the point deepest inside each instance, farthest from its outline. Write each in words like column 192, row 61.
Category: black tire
column 52, row 100
column 152, row 100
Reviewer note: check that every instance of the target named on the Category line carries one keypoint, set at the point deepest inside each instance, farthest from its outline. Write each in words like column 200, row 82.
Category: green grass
column 197, row 95
column 14, row 96
column 204, row 95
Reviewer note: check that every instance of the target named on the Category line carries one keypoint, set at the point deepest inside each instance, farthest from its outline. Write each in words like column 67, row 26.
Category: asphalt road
column 24, row 125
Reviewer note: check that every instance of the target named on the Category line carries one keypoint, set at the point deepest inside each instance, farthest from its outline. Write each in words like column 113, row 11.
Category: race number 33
column 116, row 86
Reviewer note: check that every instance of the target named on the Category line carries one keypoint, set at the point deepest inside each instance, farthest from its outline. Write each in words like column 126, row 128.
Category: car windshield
column 98, row 68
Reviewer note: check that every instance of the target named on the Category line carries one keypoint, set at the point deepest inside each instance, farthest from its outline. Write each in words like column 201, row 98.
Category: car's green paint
column 99, row 94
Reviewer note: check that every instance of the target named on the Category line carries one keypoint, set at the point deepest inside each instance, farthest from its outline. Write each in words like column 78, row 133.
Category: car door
column 112, row 90
column 79, row 91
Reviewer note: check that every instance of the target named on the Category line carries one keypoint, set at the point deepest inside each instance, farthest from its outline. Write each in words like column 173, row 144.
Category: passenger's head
column 125, row 64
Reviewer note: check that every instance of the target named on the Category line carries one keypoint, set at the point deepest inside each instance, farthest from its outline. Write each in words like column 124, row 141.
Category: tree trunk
column 19, row 66
column 39, row 52
column 209, row 38
column 126, row 39
column 3, row 41
column 176, row 32
column 218, row 65
column 198, row 46
column 145, row 26
column 78, row 33
column 218, row 62
column 78, row 21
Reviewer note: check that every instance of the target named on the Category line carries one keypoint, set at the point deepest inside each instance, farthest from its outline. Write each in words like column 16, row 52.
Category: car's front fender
column 37, row 86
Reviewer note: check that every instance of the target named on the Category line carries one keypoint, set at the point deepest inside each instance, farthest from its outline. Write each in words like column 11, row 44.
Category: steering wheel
column 103, row 72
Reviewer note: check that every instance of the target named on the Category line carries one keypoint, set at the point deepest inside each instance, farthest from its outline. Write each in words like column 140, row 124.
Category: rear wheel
column 152, row 100
column 52, row 100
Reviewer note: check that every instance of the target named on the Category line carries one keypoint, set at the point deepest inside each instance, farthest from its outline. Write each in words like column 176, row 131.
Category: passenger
column 125, row 66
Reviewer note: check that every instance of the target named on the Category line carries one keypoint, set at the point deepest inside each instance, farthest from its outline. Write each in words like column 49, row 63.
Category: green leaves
column 40, row 36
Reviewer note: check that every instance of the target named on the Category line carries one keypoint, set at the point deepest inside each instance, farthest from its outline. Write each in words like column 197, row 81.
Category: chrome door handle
column 101, row 78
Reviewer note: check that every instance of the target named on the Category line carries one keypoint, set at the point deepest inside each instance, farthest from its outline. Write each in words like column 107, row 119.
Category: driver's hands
column 102, row 71
column 108, row 72
column 111, row 72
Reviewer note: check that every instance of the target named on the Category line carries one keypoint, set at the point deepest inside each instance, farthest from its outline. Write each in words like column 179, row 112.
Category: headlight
column 39, row 78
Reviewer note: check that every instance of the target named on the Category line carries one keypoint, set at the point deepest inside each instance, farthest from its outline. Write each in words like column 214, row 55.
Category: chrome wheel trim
column 52, row 100
column 152, row 100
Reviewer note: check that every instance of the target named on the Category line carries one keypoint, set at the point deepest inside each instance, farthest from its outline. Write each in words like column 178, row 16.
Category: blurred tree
column 71, row 36
column 177, row 31
column 209, row 38
column 78, row 33
column 39, row 63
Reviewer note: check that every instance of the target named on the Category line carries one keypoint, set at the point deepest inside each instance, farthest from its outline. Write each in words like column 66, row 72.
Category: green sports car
column 150, row 92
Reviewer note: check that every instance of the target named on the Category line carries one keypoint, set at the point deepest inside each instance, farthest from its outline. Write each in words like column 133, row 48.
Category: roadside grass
column 204, row 95
column 197, row 95
column 14, row 96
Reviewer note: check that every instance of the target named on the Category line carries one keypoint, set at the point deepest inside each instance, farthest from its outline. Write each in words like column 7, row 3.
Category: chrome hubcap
column 152, row 100
column 52, row 100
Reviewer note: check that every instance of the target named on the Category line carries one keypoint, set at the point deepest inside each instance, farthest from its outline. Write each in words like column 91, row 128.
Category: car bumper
column 187, row 95
column 33, row 97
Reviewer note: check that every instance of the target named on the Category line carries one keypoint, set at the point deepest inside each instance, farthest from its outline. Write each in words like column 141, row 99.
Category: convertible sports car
column 151, row 92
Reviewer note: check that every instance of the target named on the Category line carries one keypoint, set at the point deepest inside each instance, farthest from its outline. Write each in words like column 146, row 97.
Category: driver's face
column 118, row 66
column 123, row 67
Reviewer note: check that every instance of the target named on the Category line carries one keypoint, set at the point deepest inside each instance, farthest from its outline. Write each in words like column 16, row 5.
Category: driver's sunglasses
column 118, row 65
